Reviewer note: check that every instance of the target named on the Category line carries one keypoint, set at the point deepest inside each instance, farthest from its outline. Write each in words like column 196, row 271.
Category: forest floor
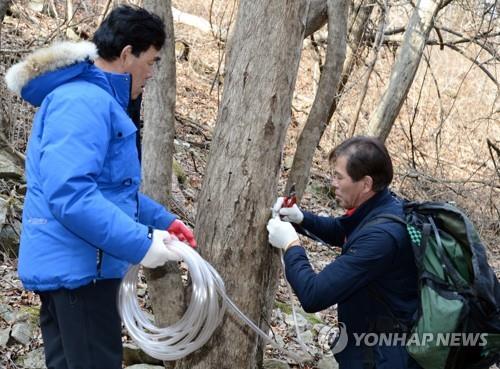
column 199, row 89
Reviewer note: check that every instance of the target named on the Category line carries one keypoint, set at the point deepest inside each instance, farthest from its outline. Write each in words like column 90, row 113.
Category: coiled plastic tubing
column 204, row 313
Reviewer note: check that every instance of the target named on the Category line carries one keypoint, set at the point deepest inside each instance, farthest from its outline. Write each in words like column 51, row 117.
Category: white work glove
column 292, row 214
column 281, row 234
column 160, row 250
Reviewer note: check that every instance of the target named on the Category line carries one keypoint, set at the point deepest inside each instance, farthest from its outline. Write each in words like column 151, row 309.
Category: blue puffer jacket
column 376, row 258
column 83, row 216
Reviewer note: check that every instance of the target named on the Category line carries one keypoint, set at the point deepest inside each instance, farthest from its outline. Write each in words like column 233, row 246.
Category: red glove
column 183, row 233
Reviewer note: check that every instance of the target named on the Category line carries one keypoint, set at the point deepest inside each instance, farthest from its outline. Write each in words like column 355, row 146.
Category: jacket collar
column 116, row 84
column 350, row 222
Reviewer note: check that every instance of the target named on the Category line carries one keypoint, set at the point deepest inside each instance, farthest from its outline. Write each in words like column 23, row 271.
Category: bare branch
column 379, row 38
column 440, row 37
column 104, row 12
column 416, row 174
column 405, row 68
column 492, row 147
column 7, row 147
column 483, row 36
column 474, row 60
column 322, row 108
column 15, row 51
column 475, row 39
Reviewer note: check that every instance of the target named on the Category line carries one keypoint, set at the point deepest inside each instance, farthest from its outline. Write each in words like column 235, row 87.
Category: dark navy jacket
column 375, row 257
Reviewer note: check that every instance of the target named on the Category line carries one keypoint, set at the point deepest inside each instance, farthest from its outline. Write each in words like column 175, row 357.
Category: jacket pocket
column 124, row 158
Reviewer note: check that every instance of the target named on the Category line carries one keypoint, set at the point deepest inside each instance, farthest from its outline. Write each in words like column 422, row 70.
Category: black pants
column 81, row 328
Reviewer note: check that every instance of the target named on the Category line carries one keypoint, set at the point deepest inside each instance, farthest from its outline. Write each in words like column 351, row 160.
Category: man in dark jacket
column 374, row 280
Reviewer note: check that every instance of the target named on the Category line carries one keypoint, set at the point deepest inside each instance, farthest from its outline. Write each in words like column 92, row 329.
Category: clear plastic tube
column 294, row 313
column 204, row 313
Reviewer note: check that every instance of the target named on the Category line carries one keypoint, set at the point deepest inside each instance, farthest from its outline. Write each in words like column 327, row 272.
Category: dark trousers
column 81, row 328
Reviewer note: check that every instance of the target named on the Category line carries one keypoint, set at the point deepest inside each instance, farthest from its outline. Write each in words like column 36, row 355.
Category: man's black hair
column 129, row 25
column 366, row 156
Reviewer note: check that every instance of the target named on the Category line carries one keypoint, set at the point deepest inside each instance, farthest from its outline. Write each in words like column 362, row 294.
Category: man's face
column 141, row 69
column 348, row 193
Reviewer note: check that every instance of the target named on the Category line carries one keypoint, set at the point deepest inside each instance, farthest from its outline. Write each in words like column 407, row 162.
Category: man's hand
column 292, row 214
column 183, row 233
column 282, row 234
column 159, row 252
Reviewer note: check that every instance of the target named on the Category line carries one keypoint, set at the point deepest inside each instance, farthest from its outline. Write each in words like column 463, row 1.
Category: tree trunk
column 243, row 171
column 69, row 12
column 164, row 284
column 325, row 102
column 404, row 69
column 316, row 16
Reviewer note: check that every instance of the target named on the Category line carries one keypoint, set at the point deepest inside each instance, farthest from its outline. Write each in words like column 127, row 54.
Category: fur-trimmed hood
column 48, row 68
column 44, row 70
column 56, row 56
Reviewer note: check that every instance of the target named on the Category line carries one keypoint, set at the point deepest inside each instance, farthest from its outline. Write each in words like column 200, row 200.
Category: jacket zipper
column 99, row 264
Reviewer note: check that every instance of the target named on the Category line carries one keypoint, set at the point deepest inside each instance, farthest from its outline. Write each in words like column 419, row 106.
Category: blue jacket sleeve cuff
column 143, row 246
column 165, row 220
column 153, row 213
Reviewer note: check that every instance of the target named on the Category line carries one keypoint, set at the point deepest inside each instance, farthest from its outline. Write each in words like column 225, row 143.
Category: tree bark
column 317, row 16
column 69, row 12
column 325, row 102
column 159, row 113
column 404, row 69
column 243, row 171
column 164, row 283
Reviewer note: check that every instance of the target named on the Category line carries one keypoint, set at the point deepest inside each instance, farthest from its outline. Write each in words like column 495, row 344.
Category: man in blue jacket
column 374, row 280
column 84, row 219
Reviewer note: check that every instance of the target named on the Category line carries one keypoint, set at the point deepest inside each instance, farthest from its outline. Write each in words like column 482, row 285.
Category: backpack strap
column 383, row 218
column 391, row 324
column 425, row 234
column 377, row 219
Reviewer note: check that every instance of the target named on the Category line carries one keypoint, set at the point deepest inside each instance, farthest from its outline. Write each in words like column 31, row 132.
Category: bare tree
column 322, row 108
column 243, row 170
column 405, row 67
column 379, row 38
column 164, row 283
column 327, row 97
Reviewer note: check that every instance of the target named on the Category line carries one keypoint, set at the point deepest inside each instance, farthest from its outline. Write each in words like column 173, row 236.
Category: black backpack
column 457, row 325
